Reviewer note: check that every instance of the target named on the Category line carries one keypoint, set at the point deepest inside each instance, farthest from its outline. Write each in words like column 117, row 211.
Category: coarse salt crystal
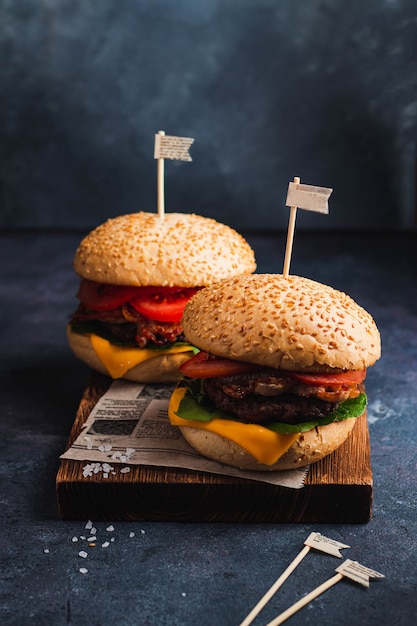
column 83, row 570
column 87, row 470
column 83, row 554
column 142, row 532
column 110, row 529
column 74, row 539
column 92, row 539
column 125, row 470
column 105, row 544
column 46, row 550
column 131, row 534
column 130, row 451
column 89, row 524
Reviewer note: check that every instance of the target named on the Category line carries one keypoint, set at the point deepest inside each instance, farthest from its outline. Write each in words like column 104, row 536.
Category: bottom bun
column 163, row 368
column 311, row 446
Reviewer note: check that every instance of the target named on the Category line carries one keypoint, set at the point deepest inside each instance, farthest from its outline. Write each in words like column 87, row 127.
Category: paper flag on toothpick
column 302, row 197
column 170, row 147
column 357, row 572
column 308, row 197
column 324, row 544
column 349, row 569
column 314, row 540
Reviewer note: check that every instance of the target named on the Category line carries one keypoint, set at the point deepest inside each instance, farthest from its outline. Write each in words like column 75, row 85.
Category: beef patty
column 262, row 397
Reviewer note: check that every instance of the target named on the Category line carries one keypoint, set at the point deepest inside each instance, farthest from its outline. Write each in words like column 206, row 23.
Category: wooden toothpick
column 308, row 598
column 314, row 540
column 290, row 235
column 161, row 181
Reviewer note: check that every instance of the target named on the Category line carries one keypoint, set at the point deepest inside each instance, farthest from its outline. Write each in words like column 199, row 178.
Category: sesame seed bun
column 288, row 323
column 179, row 249
column 309, row 447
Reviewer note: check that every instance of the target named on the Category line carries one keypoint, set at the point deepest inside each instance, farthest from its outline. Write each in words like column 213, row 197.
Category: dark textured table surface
column 157, row 574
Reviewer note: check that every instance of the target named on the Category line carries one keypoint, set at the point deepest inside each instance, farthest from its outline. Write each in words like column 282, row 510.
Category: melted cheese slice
column 264, row 445
column 119, row 359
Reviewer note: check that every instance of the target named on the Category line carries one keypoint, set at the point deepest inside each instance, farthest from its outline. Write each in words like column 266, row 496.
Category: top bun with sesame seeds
column 138, row 271
column 280, row 374
column 176, row 250
column 287, row 323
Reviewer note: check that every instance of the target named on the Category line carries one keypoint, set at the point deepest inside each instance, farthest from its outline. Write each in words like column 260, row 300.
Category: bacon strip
column 127, row 325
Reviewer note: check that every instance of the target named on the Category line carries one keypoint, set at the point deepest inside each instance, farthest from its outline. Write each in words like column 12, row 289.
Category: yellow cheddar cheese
column 119, row 359
column 263, row 444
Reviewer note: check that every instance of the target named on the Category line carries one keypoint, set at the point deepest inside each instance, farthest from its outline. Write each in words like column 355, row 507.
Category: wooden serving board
column 338, row 489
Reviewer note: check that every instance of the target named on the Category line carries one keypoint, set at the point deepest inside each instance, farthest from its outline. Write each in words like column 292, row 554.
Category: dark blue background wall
column 270, row 89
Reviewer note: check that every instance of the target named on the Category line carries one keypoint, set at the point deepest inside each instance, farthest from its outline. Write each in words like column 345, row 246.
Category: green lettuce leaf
column 195, row 405
column 354, row 407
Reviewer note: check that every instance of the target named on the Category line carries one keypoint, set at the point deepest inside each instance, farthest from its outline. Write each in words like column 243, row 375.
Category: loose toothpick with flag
column 303, row 197
column 169, row 147
column 316, row 541
column 348, row 569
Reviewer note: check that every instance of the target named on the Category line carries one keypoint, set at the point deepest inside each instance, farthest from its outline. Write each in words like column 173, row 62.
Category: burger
column 279, row 379
column 137, row 272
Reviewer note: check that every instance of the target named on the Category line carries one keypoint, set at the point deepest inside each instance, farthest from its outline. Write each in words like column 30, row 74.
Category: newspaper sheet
column 129, row 425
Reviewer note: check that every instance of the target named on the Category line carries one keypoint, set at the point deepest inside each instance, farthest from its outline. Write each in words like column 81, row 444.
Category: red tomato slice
column 162, row 304
column 102, row 297
column 203, row 365
column 344, row 378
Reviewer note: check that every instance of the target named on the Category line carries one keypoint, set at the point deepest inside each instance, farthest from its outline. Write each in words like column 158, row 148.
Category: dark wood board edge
column 337, row 488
